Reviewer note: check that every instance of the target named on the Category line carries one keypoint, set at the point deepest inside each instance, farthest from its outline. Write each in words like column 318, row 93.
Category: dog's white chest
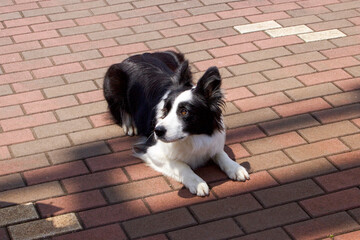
column 194, row 150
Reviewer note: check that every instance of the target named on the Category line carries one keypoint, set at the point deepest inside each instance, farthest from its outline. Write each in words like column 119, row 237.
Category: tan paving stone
column 31, row 193
column 45, row 227
column 38, row 84
column 69, row 89
column 275, row 86
column 167, row 16
column 140, row 37
column 317, row 149
column 27, row 121
column 301, row 107
column 298, row 20
column 5, row 90
column 18, row 213
column 109, row 33
column 338, row 114
column 86, row 5
column 267, row 234
column 243, row 80
column 302, row 170
column 352, row 141
column 214, row 34
column 225, row 208
column 11, row 181
column 139, row 189
column 289, row 124
column 339, row 15
column 85, row 75
column 313, row 91
column 62, row 127
column 272, row 217
column 23, row 163
column 209, row 9
column 288, row 192
column 262, row 101
column 300, row 58
column 169, row 42
column 274, row 142
column 96, row 134
column 265, row 54
column 251, row 117
column 225, row 23
column 159, row 222
column 82, row 110
column 41, row 145
column 341, row 99
column 266, row 161
column 219, row 229
column 43, row 11
column 328, row 131
column 355, row 71
column 254, row 67
column 335, row 223
column 291, row 71
column 112, row 8
column 234, row 49
column 336, row 24
column 308, row 11
column 311, row 46
column 197, row 46
column 78, row 152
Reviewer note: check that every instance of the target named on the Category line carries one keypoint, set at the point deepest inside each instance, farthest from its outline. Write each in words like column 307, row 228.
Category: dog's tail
column 115, row 88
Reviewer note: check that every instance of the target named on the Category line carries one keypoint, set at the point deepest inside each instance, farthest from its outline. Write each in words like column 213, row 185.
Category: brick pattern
column 290, row 72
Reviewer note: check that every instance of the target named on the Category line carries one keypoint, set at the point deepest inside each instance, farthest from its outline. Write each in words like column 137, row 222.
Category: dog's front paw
column 201, row 189
column 130, row 130
column 239, row 174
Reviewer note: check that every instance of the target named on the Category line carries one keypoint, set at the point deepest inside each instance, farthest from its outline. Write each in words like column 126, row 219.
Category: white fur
column 172, row 122
column 160, row 106
column 180, row 153
column 128, row 124
column 177, row 159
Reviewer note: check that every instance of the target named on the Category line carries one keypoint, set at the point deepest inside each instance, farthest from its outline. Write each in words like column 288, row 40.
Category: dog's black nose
column 160, row 131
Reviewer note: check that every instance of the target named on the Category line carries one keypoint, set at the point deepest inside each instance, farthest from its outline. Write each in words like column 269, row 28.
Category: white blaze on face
column 172, row 122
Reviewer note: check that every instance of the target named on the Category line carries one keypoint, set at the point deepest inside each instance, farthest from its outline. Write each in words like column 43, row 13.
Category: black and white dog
column 152, row 95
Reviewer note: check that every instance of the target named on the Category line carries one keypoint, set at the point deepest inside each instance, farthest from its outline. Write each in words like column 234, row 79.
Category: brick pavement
column 291, row 73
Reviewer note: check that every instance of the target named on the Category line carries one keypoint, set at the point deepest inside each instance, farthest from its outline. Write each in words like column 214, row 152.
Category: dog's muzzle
column 160, row 131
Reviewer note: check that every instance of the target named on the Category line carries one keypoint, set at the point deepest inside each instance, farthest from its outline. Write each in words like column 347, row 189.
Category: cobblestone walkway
column 291, row 72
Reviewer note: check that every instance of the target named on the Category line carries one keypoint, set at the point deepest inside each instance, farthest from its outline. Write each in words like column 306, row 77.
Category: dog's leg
column 181, row 172
column 230, row 167
column 128, row 125
column 186, row 175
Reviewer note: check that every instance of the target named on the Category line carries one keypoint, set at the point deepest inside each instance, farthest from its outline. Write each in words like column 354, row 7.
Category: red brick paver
column 292, row 118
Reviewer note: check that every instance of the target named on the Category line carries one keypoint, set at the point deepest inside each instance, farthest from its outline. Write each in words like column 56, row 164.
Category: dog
column 153, row 95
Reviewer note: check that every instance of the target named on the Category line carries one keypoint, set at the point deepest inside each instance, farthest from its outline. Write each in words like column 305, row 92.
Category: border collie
column 152, row 95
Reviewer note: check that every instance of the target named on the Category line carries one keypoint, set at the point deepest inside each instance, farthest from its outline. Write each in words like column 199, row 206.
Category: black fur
column 137, row 85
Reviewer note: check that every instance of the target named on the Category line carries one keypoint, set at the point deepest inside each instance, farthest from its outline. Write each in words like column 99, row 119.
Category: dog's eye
column 183, row 112
column 164, row 112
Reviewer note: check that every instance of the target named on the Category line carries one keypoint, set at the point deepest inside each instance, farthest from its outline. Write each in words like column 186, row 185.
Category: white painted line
column 255, row 27
column 323, row 35
column 280, row 32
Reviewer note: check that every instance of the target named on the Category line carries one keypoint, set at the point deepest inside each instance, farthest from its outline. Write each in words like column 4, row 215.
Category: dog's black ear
column 209, row 84
column 183, row 74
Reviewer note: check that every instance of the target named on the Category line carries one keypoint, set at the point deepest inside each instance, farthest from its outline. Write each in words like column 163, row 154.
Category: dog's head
column 187, row 110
